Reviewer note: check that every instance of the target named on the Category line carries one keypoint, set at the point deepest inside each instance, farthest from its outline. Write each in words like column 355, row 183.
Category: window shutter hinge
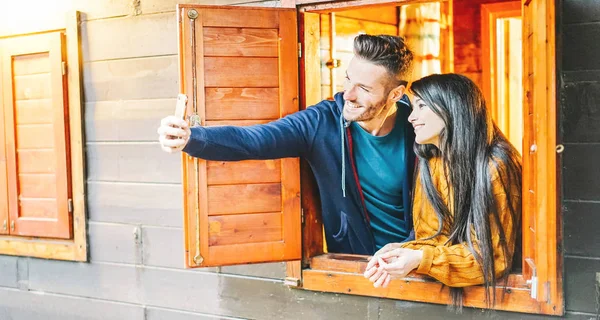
column 299, row 49
column 70, row 205
column 4, row 226
column 302, row 215
column 64, row 67
column 533, row 282
column 12, row 226
column 292, row 282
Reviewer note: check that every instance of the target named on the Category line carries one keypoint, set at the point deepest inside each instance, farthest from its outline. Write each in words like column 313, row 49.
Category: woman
column 466, row 234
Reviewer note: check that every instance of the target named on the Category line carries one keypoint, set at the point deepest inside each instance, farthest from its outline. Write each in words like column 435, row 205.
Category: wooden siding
column 125, row 97
column 579, row 107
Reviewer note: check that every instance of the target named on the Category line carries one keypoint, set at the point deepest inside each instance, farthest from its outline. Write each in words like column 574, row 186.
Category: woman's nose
column 412, row 116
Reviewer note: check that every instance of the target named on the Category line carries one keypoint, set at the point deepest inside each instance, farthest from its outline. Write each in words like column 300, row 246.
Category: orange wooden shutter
column 246, row 72
column 35, row 131
column 541, row 223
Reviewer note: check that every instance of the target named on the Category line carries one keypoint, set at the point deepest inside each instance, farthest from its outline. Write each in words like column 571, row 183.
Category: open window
column 42, row 211
column 229, row 206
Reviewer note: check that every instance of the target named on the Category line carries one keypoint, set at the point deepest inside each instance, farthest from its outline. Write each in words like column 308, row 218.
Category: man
column 359, row 147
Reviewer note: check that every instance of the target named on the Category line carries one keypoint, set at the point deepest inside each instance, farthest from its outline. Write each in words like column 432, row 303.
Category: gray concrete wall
column 134, row 200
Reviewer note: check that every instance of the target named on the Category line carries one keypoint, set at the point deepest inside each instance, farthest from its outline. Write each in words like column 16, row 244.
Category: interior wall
column 467, row 38
column 348, row 24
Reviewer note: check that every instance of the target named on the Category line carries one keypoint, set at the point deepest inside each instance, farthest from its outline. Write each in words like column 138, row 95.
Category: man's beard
column 368, row 112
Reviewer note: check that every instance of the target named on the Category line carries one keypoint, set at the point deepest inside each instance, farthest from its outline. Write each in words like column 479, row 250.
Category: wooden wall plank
column 31, row 64
column 238, row 172
column 40, row 210
column 37, row 136
column 244, row 228
column 131, row 79
column 225, row 72
column 19, row 304
column 424, row 291
column 163, row 247
column 153, row 6
column 36, row 161
column 8, row 270
column 261, row 299
column 250, row 198
column 132, row 162
column 37, row 185
column 153, row 313
column 240, row 42
column 125, row 120
column 146, row 36
column 242, row 103
column 240, row 123
column 135, row 203
column 110, row 242
column 290, row 167
column 36, row 111
column 386, row 15
column 222, row 17
column 111, row 282
column 347, row 29
column 52, row 15
column 37, row 86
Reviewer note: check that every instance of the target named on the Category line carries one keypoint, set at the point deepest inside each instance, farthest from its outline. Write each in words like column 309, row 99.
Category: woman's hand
column 392, row 260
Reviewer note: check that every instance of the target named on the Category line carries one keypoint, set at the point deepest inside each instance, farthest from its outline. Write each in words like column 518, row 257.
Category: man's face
column 366, row 90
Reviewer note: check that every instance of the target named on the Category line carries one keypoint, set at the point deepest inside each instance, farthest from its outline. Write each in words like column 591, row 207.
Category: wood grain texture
column 240, row 90
column 238, row 172
column 244, row 198
column 244, row 228
column 240, row 42
column 226, row 72
column 242, row 103
column 542, row 229
column 414, row 290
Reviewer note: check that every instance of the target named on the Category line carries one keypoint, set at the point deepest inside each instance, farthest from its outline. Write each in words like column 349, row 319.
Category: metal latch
column 12, row 226
column 292, row 282
column 4, row 226
column 533, row 282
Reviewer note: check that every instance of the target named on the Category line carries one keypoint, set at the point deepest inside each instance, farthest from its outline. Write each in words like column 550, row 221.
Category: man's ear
column 397, row 93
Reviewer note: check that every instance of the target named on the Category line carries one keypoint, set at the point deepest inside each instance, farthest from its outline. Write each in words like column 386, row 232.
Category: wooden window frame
column 74, row 249
column 342, row 273
column 489, row 65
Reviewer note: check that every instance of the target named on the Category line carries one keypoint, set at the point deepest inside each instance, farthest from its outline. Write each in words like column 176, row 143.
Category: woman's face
column 428, row 125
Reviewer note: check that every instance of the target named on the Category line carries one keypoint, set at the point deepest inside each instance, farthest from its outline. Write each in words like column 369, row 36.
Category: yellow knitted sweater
column 455, row 265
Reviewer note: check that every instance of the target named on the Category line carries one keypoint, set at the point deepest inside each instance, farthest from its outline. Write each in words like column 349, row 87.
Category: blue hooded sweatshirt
column 322, row 137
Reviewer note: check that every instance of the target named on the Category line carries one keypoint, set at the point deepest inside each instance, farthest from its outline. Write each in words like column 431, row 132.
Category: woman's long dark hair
column 472, row 149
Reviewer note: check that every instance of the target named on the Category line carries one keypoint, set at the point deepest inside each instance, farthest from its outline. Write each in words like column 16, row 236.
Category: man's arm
column 291, row 136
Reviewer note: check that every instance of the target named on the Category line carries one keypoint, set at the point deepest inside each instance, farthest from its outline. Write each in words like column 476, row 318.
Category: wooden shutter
column 541, row 223
column 245, row 62
column 36, row 135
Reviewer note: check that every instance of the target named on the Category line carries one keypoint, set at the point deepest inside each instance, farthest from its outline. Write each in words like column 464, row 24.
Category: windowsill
column 343, row 273
column 71, row 250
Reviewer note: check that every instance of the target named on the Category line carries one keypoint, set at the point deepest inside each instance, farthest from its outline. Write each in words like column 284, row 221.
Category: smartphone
column 180, row 106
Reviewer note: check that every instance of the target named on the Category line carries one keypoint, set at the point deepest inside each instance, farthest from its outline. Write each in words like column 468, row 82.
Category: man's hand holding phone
column 174, row 132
